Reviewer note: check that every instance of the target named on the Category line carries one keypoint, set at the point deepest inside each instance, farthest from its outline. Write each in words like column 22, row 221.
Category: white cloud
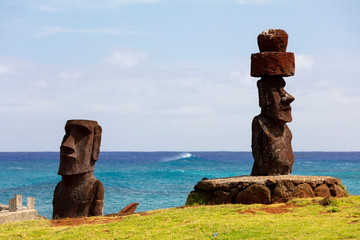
column 126, row 58
column 135, row 1
column 70, row 75
column 243, row 78
column 167, row 108
column 41, row 83
column 4, row 69
column 247, row 2
column 92, row 5
column 324, row 83
column 47, row 8
column 13, row 65
column 304, row 62
column 47, row 31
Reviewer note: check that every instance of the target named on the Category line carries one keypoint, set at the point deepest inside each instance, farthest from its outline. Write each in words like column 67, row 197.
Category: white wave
column 177, row 157
column 17, row 168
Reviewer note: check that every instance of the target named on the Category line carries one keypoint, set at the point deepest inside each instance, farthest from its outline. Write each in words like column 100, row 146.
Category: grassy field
column 299, row 219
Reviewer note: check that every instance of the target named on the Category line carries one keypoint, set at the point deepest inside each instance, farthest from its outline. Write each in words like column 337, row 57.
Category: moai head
column 80, row 147
column 274, row 101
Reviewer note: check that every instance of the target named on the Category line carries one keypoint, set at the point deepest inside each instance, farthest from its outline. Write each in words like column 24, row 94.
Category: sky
column 173, row 75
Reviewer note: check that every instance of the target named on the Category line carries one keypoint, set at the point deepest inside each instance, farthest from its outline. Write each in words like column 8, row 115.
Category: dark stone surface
column 322, row 191
column 274, row 101
column 129, row 209
column 79, row 194
column 337, row 191
column 269, row 189
column 325, row 201
column 284, row 191
column 331, row 181
column 234, row 192
column 221, row 197
column 312, row 184
column 205, row 186
column 271, row 147
column 272, row 64
column 304, row 190
column 273, row 40
column 256, row 193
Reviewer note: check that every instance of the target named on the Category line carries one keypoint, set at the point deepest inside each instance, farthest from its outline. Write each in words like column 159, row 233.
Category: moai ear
column 96, row 144
column 263, row 98
column 269, row 97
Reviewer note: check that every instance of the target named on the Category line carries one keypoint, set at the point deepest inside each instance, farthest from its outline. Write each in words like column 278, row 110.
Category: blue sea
column 155, row 179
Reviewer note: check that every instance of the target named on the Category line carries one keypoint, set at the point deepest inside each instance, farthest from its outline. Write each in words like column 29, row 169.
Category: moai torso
column 271, row 147
column 79, row 194
column 83, row 197
column 271, row 137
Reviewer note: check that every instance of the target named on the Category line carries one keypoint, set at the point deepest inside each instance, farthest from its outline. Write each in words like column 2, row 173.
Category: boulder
column 205, row 185
column 304, row 190
column 221, row 197
column 322, row 191
column 284, row 191
column 256, row 193
column 337, row 191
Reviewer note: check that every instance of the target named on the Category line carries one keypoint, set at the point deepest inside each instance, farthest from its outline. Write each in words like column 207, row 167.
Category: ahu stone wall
column 264, row 189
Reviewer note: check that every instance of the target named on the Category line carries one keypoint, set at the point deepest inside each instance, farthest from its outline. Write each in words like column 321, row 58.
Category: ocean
column 155, row 179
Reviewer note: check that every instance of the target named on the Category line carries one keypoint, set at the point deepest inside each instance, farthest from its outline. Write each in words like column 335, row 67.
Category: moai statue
column 79, row 194
column 271, row 137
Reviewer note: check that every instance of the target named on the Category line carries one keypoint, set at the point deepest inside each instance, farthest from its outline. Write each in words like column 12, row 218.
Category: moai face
column 80, row 147
column 274, row 100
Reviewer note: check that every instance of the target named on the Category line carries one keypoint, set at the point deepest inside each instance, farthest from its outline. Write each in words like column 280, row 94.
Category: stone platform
column 15, row 212
column 264, row 189
column 22, row 214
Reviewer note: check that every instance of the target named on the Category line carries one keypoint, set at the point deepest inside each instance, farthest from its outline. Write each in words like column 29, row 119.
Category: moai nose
column 287, row 98
column 68, row 145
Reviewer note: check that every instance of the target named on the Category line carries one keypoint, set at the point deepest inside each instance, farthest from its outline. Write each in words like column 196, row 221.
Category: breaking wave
column 178, row 157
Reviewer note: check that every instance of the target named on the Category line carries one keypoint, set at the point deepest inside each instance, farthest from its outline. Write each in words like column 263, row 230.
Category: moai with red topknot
column 271, row 137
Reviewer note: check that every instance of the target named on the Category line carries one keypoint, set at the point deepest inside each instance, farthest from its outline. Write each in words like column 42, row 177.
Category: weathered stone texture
column 271, row 148
column 322, row 191
column 18, row 216
column 304, row 190
column 268, row 189
column 221, row 197
column 12, row 205
column 129, row 209
column 273, row 40
column 284, row 191
column 18, row 199
column 256, row 193
column 30, row 203
column 337, row 191
column 272, row 64
column 205, row 185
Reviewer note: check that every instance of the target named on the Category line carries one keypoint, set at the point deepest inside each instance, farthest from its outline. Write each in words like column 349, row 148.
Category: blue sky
column 173, row 75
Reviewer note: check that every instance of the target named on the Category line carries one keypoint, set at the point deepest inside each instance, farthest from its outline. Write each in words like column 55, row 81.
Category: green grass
column 306, row 221
column 195, row 199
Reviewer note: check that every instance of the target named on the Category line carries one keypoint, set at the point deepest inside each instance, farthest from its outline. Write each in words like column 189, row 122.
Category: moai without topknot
column 79, row 194
column 271, row 137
